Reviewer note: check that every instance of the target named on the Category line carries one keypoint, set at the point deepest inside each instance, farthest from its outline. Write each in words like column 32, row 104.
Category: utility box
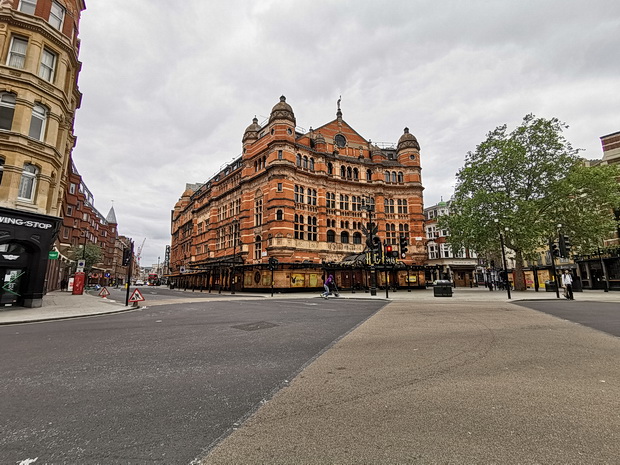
column 442, row 288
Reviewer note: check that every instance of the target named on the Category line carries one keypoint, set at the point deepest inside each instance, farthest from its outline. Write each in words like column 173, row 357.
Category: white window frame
column 27, row 6
column 57, row 15
column 39, row 117
column 48, row 70
column 17, row 58
column 28, row 183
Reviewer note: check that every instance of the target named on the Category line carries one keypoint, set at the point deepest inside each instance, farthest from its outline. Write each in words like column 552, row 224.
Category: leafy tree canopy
column 524, row 184
column 92, row 254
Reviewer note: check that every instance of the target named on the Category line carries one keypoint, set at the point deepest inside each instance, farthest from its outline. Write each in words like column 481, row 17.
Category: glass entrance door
column 10, row 290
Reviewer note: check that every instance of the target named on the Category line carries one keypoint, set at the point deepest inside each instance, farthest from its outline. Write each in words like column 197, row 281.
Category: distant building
column 443, row 262
column 39, row 96
column 301, row 198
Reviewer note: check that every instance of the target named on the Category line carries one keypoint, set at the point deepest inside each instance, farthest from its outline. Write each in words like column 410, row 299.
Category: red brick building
column 302, row 198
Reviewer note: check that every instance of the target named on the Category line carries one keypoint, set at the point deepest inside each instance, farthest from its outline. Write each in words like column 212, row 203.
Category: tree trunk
column 518, row 275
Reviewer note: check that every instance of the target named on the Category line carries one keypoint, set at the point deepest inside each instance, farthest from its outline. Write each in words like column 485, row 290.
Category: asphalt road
column 157, row 385
column 604, row 316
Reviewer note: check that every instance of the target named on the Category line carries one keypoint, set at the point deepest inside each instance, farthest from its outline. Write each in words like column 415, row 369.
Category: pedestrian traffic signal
column 403, row 245
column 273, row 262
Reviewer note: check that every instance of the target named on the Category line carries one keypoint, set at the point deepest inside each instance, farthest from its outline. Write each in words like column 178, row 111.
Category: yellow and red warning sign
column 104, row 292
column 136, row 296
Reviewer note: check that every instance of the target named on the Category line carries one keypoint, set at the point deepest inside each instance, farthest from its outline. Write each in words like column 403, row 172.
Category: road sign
column 53, row 255
column 182, row 269
column 104, row 292
column 136, row 296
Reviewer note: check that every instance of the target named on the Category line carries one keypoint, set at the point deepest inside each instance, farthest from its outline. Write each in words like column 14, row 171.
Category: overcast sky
column 169, row 87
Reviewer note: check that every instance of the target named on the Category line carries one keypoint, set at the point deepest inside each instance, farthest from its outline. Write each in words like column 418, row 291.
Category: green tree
column 91, row 254
column 524, row 184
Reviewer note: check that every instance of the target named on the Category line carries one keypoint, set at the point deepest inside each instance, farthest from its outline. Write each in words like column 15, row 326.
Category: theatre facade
column 297, row 204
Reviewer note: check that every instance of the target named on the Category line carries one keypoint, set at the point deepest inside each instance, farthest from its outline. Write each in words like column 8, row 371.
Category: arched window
column 298, row 159
column 330, row 169
column 279, row 215
column 393, row 176
column 312, row 164
column 387, row 176
column 343, row 172
column 400, row 176
column 356, row 174
column 331, row 236
column 28, row 183
column 37, row 122
column 7, row 110
column 349, row 173
column 258, row 248
column 305, row 163
column 344, row 237
column 357, row 238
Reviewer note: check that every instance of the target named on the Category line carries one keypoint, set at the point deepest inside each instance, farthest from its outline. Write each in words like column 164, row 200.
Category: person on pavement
column 567, row 282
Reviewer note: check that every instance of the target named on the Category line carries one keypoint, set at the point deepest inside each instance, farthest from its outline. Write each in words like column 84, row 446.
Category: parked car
column 139, row 282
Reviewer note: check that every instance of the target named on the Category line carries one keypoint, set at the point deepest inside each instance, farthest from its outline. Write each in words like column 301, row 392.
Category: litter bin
column 442, row 288
column 550, row 286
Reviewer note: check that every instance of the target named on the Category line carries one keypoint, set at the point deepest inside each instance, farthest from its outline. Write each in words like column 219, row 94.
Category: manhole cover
column 255, row 326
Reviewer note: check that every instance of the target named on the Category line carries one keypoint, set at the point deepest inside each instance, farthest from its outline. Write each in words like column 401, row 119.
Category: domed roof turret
column 407, row 140
column 251, row 132
column 282, row 110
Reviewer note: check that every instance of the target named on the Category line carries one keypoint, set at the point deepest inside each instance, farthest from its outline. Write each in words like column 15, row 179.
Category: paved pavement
column 430, row 380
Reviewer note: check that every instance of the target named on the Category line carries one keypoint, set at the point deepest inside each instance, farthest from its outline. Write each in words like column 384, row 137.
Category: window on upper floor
column 279, row 215
column 37, row 122
column 7, row 110
column 69, row 210
column 28, row 183
column 298, row 159
column 72, row 188
column 331, row 236
column 47, row 67
column 57, row 15
column 368, row 175
column 279, row 187
column 330, row 169
column 1, row 168
column 330, row 200
column 27, row 6
column 17, row 52
column 344, row 237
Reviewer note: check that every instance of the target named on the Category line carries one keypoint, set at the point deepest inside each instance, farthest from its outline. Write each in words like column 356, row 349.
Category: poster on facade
column 298, row 280
column 314, row 280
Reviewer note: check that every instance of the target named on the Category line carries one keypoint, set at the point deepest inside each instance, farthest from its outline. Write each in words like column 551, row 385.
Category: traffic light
column 554, row 249
column 388, row 250
column 565, row 246
column 403, row 245
column 126, row 257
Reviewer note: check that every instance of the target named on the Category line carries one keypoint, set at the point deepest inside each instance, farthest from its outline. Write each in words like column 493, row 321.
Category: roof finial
column 339, row 112
column 339, row 99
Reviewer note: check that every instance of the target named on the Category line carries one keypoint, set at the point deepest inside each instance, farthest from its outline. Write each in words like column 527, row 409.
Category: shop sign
column 27, row 223
column 53, row 255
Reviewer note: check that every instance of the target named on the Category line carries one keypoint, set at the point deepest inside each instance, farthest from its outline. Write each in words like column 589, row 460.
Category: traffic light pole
column 555, row 276
column 129, row 266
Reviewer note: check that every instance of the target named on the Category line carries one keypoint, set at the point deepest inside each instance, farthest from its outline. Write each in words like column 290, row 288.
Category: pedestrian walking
column 63, row 284
column 567, row 283
column 326, row 285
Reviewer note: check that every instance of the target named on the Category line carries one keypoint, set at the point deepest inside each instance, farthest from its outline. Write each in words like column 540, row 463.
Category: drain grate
column 255, row 326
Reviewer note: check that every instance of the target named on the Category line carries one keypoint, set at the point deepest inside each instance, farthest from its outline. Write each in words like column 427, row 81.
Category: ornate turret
column 282, row 110
column 251, row 132
column 407, row 140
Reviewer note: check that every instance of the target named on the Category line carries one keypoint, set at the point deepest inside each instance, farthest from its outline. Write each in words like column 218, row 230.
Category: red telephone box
column 78, row 283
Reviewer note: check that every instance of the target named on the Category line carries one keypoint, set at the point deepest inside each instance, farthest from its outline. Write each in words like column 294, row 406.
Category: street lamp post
column 232, row 279
column 506, row 280
column 368, row 206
